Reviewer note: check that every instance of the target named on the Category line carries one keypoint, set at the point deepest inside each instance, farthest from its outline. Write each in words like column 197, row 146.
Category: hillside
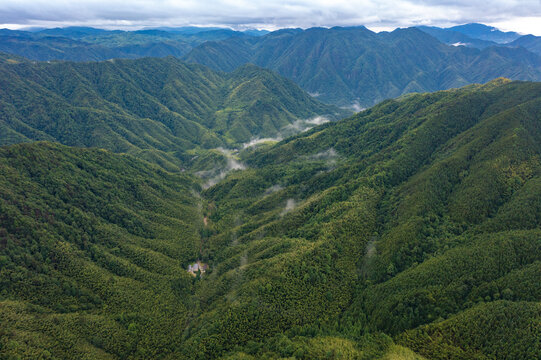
column 417, row 211
column 410, row 230
column 154, row 108
column 93, row 248
column 530, row 42
column 355, row 67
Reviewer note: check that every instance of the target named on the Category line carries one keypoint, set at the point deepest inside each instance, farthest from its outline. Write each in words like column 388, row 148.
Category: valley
column 320, row 193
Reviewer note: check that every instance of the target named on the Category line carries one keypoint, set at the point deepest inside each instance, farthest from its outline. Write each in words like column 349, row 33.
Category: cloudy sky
column 518, row 15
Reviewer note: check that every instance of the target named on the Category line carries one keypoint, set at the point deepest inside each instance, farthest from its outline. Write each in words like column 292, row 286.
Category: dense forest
column 162, row 110
column 347, row 66
column 410, row 230
column 356, row 67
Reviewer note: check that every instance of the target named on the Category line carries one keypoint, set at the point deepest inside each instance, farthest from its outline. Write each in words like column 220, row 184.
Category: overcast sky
column 519, row 15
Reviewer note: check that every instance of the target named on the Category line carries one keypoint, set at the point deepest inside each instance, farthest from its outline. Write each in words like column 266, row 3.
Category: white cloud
column 270, row 14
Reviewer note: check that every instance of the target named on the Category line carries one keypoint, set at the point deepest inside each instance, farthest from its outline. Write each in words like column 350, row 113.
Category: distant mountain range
column 357, row 67
column 91, row 44
column 350, row 67
column 481, row 36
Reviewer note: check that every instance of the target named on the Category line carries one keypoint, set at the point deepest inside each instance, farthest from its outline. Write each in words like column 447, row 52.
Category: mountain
column 91, row 44
column 93, row 248
column 418, row 218
column 484, row 32
column 451, row 36
column 410, row 230
column 455, row 38
column 529, row 42
column 355, row 67
column 153, row 108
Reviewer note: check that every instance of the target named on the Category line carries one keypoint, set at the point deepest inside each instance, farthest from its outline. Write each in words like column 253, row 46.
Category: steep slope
column 411, row 230
column 156, row 108
column 356, row 67
column 93, row 248
column 529, row 42
column 401, row 216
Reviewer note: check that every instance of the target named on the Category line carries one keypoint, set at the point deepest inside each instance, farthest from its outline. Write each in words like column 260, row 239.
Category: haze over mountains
column 90, row 44
column 350, row 67
column 407, row 231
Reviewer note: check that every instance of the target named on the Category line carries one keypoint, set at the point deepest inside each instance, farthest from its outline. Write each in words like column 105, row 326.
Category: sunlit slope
column 400, row 216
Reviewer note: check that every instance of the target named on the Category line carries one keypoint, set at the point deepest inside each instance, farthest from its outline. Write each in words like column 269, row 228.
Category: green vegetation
column 406, row 214
column 156, row 109
column 90, row 44
column 93, row 250
column 355, row 67
column 408, row 231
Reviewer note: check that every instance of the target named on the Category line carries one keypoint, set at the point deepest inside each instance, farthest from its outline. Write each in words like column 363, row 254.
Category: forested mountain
column 408, row 231
column 451, row 36
column 485, row 32
column 530, row 42
column 418, row 218
column 93, row 248
column 90, row 44
column 154, row 108
column 350, row 67
column 357, row 67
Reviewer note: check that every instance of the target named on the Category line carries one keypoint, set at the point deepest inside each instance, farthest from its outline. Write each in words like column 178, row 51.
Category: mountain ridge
column 348, row 66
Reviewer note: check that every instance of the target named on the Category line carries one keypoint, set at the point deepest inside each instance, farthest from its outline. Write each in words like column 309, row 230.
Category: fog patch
column 318, row 120
column 291, row 204
column 325, row 155
column 329, row 156
column 257, row 141
column 303, row 125
column 216, row 175
column 273, row 189
column 355, row 106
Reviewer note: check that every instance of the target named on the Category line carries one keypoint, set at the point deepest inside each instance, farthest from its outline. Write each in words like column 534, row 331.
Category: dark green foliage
column 357, row 67
column 93, row 248
column 403, row 215
column 497, row 330
column 410, row 228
